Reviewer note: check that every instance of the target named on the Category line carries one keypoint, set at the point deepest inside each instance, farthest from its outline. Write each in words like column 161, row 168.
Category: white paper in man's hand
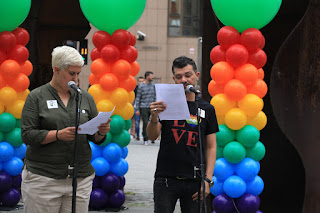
column 173, row 95
column 91, row 126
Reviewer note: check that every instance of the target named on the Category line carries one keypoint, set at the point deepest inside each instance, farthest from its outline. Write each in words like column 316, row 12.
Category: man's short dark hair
column 183, row 61
column 140, row 77
column 146, row 74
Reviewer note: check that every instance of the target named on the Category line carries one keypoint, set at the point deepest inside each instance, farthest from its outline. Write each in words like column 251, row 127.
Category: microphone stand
column 201, row 163
column 75, row 158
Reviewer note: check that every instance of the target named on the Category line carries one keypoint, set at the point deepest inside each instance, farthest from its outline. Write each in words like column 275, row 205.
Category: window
column 184, row 18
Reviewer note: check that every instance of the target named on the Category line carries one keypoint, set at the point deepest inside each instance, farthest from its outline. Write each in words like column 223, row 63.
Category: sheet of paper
column 91, row 126
column 174, row 97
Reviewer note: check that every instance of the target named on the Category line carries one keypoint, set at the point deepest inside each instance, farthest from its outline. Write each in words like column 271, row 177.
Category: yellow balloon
column 105, row 106
column 220, row 119
column 251, row 104
column 119, row 97
column 259, row 121
column 23, row 95
column 2, row 108
column 131, row 97
column 16, row 108
column 8, row 95
column 126, row 112
column 98, row 93
column 222, row 103
column 235, row 119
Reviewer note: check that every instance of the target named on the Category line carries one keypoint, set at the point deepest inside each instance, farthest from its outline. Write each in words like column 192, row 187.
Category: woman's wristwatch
column 209, row 181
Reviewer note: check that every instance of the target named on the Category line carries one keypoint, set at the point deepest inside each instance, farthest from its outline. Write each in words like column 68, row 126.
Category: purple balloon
column 259, row 211
column 223, row 204
column 248, row 203
column 5, row 181
column 96, row 182
column 98, row 198
column 117, row 199
column 122, row 181
column 10, row 198
column 110, row 183
column 16, row 181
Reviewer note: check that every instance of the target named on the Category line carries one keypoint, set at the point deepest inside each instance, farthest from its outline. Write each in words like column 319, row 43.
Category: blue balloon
column 95, row 150
column 20, row 151
column 101, row 166
column 112, row 152
column 98, row 199
column 6, row 151
column 120, row 168
column 117, row 199
column 234, row 186
column 5, row 181
column 217, row 188
column 247, row 169
column 14, row 166
column 110, row 183
column 255, row 186
column 1, row 166
column 124, row 152
column 223, row 169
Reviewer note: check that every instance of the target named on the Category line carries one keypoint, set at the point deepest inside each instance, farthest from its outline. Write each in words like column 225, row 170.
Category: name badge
column 52, row 104
column 202, row 113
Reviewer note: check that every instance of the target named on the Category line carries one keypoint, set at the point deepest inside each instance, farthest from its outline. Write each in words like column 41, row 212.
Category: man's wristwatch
column 209, row 181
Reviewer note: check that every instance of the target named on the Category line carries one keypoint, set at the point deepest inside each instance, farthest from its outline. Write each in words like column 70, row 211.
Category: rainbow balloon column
column 237, row 89
column 112, row 83
column 14, row 83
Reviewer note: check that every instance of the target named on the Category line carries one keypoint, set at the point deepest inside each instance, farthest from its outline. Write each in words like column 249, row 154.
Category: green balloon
column 108, row 139
column 234, row 152
column 219, row 152
column 244, row 14
column 110, row 15
column 18, row 123
column 225, row 135
column 7, row 122
column 257, row 152
column 1, row 136
column 13, row 13
column 14, row 137
column 248, row 136
column 117, row 124
column 122, row 139
column 128, row 124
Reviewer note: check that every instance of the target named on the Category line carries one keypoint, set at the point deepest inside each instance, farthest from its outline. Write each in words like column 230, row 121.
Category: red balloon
column 110, row 53
column 129, row 53
column 263, row 42
column 258, row 58
column 217, row 54
column 120, row 38
column 22, row 36
column 228, row 36
column 133, row 39
column 3, row 56
column 101, row 38
column 95, row 54
column 237, row 55
column 251, row 38
column 7, row 40
column 19, row 53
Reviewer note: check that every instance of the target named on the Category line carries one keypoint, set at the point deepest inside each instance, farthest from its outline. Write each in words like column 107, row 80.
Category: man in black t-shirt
column 177, row 173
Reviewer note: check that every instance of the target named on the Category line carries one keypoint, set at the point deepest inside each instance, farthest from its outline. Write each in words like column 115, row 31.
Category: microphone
column 190, row 88
column 73, row 86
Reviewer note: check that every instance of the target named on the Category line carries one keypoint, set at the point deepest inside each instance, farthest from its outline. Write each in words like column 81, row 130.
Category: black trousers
column 145, row 114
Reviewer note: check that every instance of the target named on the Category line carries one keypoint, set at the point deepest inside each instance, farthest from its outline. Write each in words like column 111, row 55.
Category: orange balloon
column 8, row 95
column 9, row 69
column 259, row 88
column 261, row 73
column 214, row 88
column 221, row 72
column 16, row 108
column 119, row 97
column 135, row 68
column 21, row 83
column 121, row 69
column 247, row 74
column 128, row 84
column 220, row 119
column 251, row 104
column 105, row 106
column 131, row 97
column 100, row 67
column 26, row 68
column 2, row 108
column 235, row 90
column 93, row 79
column 23, row 95
column 126, row 112
column 98, row 93
column 222, row 103
column 109, row 82
column 2, row 82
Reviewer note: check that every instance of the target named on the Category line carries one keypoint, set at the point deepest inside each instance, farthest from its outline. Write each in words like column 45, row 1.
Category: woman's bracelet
column 57, row 135
column 100, row 134
column 154, row 123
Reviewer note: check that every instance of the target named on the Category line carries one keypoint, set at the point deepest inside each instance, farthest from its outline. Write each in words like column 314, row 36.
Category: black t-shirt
column 179, row 150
